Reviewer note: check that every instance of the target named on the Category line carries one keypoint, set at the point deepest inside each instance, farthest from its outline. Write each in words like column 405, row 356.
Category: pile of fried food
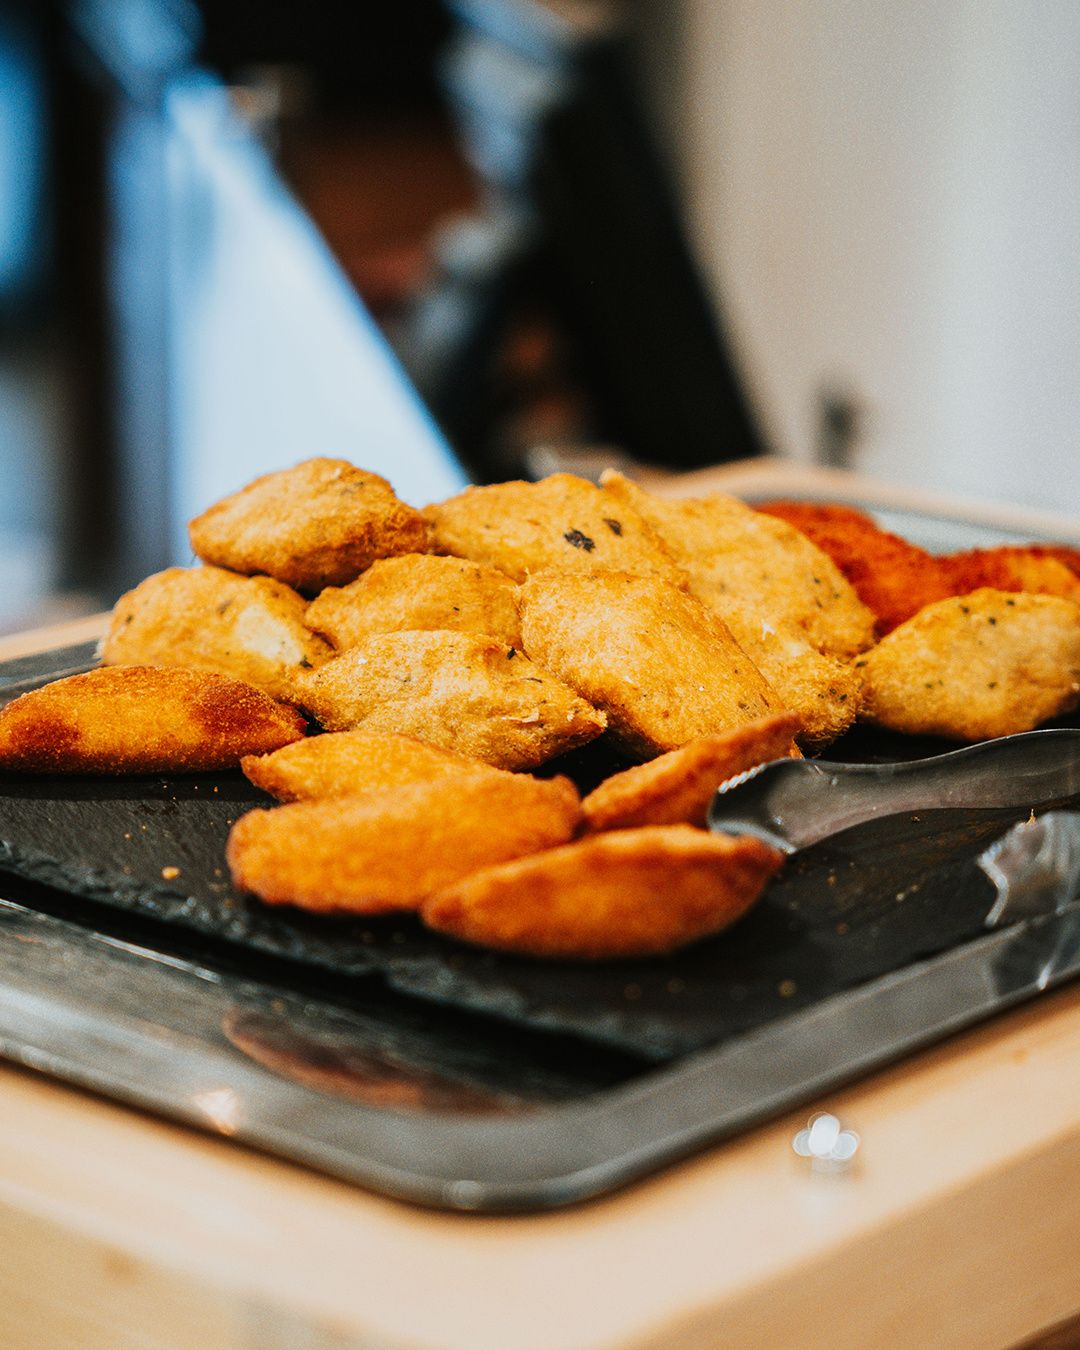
column 445, row 654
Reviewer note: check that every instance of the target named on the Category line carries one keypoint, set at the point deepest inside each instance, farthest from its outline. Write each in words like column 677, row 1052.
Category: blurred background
column 466, row 240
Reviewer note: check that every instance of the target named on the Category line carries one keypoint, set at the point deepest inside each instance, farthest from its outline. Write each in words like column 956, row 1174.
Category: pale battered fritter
column 142, row 719
column 380, row 853
column 419, row 591
column 563, row 521
column 678, row 787
column 207, row 618
column 629, row 893
column 975, row 666
column 664, row 669
column 351, row 763
column 464, row 693
column 320, row 523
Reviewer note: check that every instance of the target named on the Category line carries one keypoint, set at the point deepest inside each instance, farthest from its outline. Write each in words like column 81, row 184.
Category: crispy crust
column 976, row 666
column 419, row 591
column 320, row 523
column 677, row 787
column 1010, row 569
column 351, row 763
column 206, row 618
column 631, row 893
column 139, row 719
column 380, row 853
column 662, row 667
column 464, row 693
column 563, row 521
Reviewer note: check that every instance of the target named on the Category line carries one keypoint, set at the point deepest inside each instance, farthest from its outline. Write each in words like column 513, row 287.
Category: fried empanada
column 629, row 893
column 664, row 669
column 386, row 852
column 320, row 523
column 677, row 787
column 142, row 719
column 976, row 666
column 351, row 763
column 206, row 618
column 464, row 693
column 419, row 591
column 562, row 521
column 1010, row 569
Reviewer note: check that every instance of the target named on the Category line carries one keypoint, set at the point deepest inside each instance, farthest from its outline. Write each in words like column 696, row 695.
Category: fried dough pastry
column 1010, row 569
column 206, row 618
column 630, row 893
column 455, row 690
column 746, row 564
column 976, row 666
column 377, row 854
column 677, row 787
column 141, row 719
column 664, row 669
column 351, row 763
column 317, row 524
column 563, row 521
column 419, row 591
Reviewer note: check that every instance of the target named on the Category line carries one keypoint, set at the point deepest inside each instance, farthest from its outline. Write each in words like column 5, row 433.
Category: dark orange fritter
column 630, row 893
column 677, row 787
column 320, row 523
column 1010, row 569
column 142, row 719
column 386, row 852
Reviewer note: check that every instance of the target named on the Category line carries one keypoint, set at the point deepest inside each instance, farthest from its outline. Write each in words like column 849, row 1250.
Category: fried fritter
column 379, row 853
column 142, row 719
column 464, row 693
column 893, row 578
column 677, row 787
column 1010, row 569
column 562, row 521
column 664, row 669
column 630, row 893
column 976, row 666
column 206, row 618
column 317, row 524
column 740, row 562
column 351, row 763
column 419, row 591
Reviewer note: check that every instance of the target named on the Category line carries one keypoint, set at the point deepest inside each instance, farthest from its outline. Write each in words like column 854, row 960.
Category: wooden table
column 959, row 1225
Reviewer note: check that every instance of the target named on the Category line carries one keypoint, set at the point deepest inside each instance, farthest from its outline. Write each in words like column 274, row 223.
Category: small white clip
column 826, row 1143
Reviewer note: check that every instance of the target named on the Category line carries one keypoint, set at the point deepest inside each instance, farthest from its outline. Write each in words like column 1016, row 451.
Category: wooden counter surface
column 959, row 1225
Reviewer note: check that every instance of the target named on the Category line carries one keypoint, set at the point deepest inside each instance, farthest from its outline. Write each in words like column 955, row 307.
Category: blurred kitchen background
column 464, row 240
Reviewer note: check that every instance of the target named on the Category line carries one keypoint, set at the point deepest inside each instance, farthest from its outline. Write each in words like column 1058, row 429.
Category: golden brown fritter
column 206, row 618
column 351, row 763
column 562, row 521
column 975, row 666
column 419, row 591
column 317, row 524
column 662, row 667
column 741, row 562
column 1010, row 569
column 141, row 719
column 677, row 787
column 385, row 852
column 629, row 893
column 464, row 693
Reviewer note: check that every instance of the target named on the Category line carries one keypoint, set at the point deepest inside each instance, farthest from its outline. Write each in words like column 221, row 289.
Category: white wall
column 888, row 197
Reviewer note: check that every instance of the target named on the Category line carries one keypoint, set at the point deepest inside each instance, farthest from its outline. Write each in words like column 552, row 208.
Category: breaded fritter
column 462, row 692
column 562, row 521
column 351, row 763
column 320, row 523
column 975, row 666
column 419, row 591
column 677, row 787
column 664, row 669
column 142, row 719
column 1010, row 569
column 629, row 893
column 206, row 618
column 740, row 562
column 385, row 852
